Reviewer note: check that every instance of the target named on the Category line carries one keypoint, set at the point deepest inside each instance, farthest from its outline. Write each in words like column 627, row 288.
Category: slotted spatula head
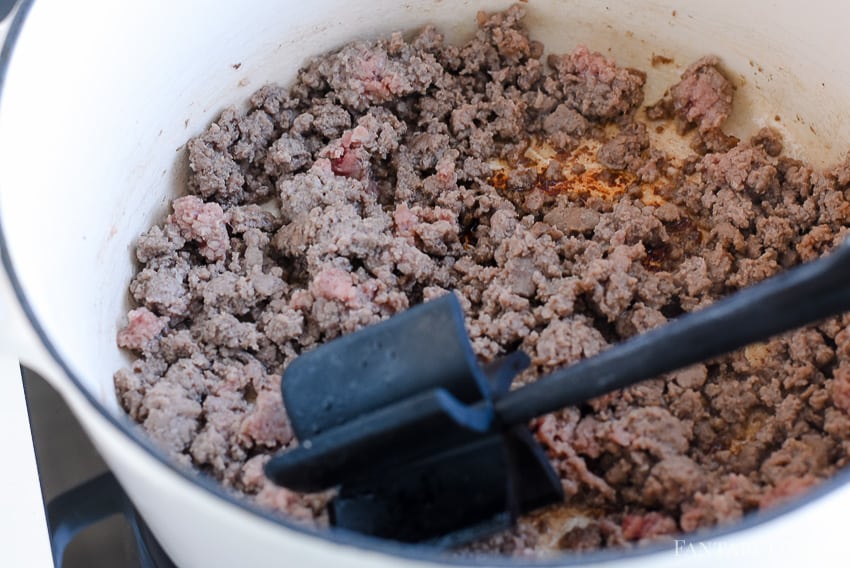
column 476, row 487
column 399, row 416
column 421, row 349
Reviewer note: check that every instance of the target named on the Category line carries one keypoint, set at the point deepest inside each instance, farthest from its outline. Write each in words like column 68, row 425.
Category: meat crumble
column 398, row 170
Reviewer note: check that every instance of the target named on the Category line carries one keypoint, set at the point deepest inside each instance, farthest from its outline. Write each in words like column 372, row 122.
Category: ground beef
column 703, row 98
column 203, row 223
column 395, row 171
column 142, row 326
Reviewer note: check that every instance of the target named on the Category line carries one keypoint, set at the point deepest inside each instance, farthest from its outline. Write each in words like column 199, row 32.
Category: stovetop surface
column 66, row 459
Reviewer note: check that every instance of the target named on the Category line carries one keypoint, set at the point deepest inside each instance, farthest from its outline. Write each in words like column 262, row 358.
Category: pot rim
column 339, row 536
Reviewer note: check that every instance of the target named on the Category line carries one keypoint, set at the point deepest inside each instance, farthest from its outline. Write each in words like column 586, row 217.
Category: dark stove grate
column 76, row 510
column 87, row 514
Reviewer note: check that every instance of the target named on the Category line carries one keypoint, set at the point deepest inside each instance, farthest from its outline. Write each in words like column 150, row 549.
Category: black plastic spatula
column 426, row 445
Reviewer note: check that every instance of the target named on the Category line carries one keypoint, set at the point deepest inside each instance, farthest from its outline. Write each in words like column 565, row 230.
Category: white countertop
column 23, row 530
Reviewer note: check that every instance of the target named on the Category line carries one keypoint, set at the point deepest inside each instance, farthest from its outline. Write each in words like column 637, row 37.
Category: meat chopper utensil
column 425, row 445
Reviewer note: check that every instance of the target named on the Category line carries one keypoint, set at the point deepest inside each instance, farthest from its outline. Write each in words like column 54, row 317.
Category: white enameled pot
column 98, row 98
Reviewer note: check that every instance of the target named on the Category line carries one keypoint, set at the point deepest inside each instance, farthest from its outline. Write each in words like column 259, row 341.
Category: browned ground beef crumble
column 395, row 171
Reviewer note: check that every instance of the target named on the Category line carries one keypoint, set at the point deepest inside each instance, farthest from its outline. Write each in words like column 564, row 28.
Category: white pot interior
column 101, row 96
column 93, row 126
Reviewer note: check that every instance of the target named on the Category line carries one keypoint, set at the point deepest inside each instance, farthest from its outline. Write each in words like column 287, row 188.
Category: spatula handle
column 802, row 295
